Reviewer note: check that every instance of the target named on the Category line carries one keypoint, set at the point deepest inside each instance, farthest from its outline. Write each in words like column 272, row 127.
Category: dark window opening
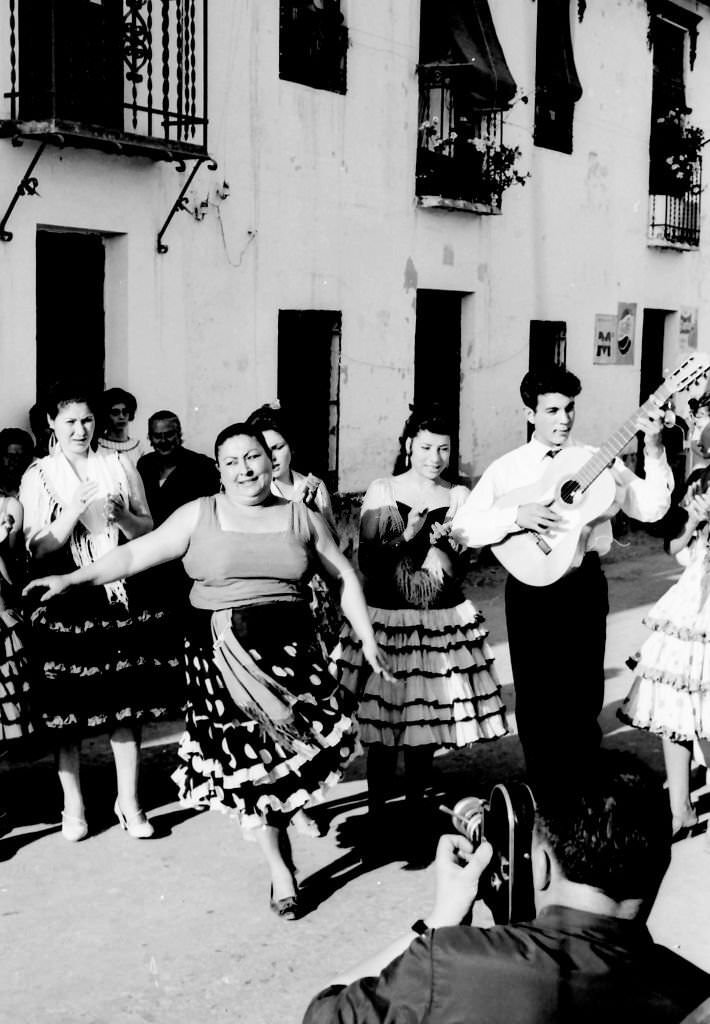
column 557, row 85
column 437, row 359
column 309, row 388
column 70, row 309
column 464, row 87
column 313, row 44
column 548, row 347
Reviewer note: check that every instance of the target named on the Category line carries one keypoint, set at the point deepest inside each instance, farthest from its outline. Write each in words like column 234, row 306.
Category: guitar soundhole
column 568, row 491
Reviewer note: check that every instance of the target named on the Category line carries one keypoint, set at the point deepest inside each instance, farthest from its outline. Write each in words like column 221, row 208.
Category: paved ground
column 114, row 931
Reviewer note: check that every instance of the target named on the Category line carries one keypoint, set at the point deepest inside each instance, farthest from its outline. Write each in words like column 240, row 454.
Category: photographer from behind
column 600, row 848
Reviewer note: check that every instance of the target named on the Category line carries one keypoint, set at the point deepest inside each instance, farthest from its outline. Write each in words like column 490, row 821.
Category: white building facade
column 350, row 249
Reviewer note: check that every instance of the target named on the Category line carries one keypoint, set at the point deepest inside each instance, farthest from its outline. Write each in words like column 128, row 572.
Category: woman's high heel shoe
column 137, row 826
column 287, row 908
column 74, row 829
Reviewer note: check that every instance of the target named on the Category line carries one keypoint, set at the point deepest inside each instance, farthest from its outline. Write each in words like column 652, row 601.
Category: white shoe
column 137, row 826
column 74, row 829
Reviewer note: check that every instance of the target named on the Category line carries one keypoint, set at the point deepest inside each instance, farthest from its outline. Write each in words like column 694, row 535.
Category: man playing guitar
column 557, row 631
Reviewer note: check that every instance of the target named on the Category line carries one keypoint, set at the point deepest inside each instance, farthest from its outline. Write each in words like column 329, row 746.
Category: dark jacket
column 194, row 476
column 565, row 966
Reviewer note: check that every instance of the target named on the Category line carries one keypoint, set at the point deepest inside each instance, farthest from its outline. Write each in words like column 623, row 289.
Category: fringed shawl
column 47, row 488
column 415, row 583
column 261, row 698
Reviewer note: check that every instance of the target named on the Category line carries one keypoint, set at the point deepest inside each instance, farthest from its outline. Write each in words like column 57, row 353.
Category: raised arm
column 168, row 542
column 649, row 498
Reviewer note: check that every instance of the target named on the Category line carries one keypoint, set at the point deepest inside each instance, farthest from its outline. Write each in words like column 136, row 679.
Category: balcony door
column 71, row 62
column 437, row 358
column 70, row 308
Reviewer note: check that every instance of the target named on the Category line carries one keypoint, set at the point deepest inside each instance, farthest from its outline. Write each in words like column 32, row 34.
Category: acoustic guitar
column 580, row 489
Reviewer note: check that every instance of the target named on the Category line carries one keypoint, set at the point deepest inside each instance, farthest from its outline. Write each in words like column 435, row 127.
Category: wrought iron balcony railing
column 458, row 143
column 127, row 76
column 674, row 216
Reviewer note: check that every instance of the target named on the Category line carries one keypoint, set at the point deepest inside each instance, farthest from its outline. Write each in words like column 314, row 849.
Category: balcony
column 459, row 146
column 123, row 76
column 674, row 217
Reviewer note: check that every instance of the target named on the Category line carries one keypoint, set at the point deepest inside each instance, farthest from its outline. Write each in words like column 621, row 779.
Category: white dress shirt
column 479, row 522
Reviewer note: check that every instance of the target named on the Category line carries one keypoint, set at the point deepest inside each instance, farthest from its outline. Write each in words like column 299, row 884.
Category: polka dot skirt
column 229, row 763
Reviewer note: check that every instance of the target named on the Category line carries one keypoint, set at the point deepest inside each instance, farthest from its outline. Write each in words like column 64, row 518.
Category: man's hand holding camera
column 458, row 868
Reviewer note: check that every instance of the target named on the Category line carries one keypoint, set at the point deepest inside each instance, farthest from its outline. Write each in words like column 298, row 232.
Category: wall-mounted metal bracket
column 181, row 203
column 27, row 186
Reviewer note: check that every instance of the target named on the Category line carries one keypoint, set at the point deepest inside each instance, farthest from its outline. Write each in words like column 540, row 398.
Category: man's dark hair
column 552, row 380
column 163, row 414
column 609, row 827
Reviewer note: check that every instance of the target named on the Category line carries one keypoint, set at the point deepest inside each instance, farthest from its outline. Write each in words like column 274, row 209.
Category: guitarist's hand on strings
column 536, row 517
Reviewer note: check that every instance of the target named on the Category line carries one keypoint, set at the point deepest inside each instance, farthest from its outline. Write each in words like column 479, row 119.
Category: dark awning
column 555, row 68
column 461, row 33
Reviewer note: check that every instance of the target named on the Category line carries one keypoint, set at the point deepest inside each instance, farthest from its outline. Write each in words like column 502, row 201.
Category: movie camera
column 505, row 820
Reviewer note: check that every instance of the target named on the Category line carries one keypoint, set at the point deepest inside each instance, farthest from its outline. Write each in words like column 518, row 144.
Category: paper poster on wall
column 604, row 338
column 625, row 332
column 688, row 330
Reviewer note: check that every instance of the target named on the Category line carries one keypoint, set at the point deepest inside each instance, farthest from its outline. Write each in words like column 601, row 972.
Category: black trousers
column 557, row 637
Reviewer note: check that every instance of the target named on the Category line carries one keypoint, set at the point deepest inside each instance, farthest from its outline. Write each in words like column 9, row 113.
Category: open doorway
column 309, row 387
column 437, row 358
column 70, row 308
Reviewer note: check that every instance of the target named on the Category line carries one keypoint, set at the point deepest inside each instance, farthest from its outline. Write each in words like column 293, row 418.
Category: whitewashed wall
column 321, row 214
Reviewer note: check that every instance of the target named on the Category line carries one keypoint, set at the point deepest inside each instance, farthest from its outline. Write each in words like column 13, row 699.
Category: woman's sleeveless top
column 231, row 569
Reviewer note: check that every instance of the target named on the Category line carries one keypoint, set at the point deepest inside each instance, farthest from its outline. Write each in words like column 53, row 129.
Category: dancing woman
column 104, row 663
column 444, row 692
column 265, row 732
column 670, row 694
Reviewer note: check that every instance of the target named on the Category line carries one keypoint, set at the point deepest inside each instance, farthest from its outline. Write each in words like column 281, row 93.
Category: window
column 557, row 86
column 313, row 44
column 309, row 388
column 548, row 344
column 464, row 87
column 674, row 153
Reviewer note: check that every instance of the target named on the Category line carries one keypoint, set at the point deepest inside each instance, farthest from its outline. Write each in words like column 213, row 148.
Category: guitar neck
column 611, row 447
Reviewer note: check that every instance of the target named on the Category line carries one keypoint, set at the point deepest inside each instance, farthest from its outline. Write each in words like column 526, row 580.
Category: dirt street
column 116, row 931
